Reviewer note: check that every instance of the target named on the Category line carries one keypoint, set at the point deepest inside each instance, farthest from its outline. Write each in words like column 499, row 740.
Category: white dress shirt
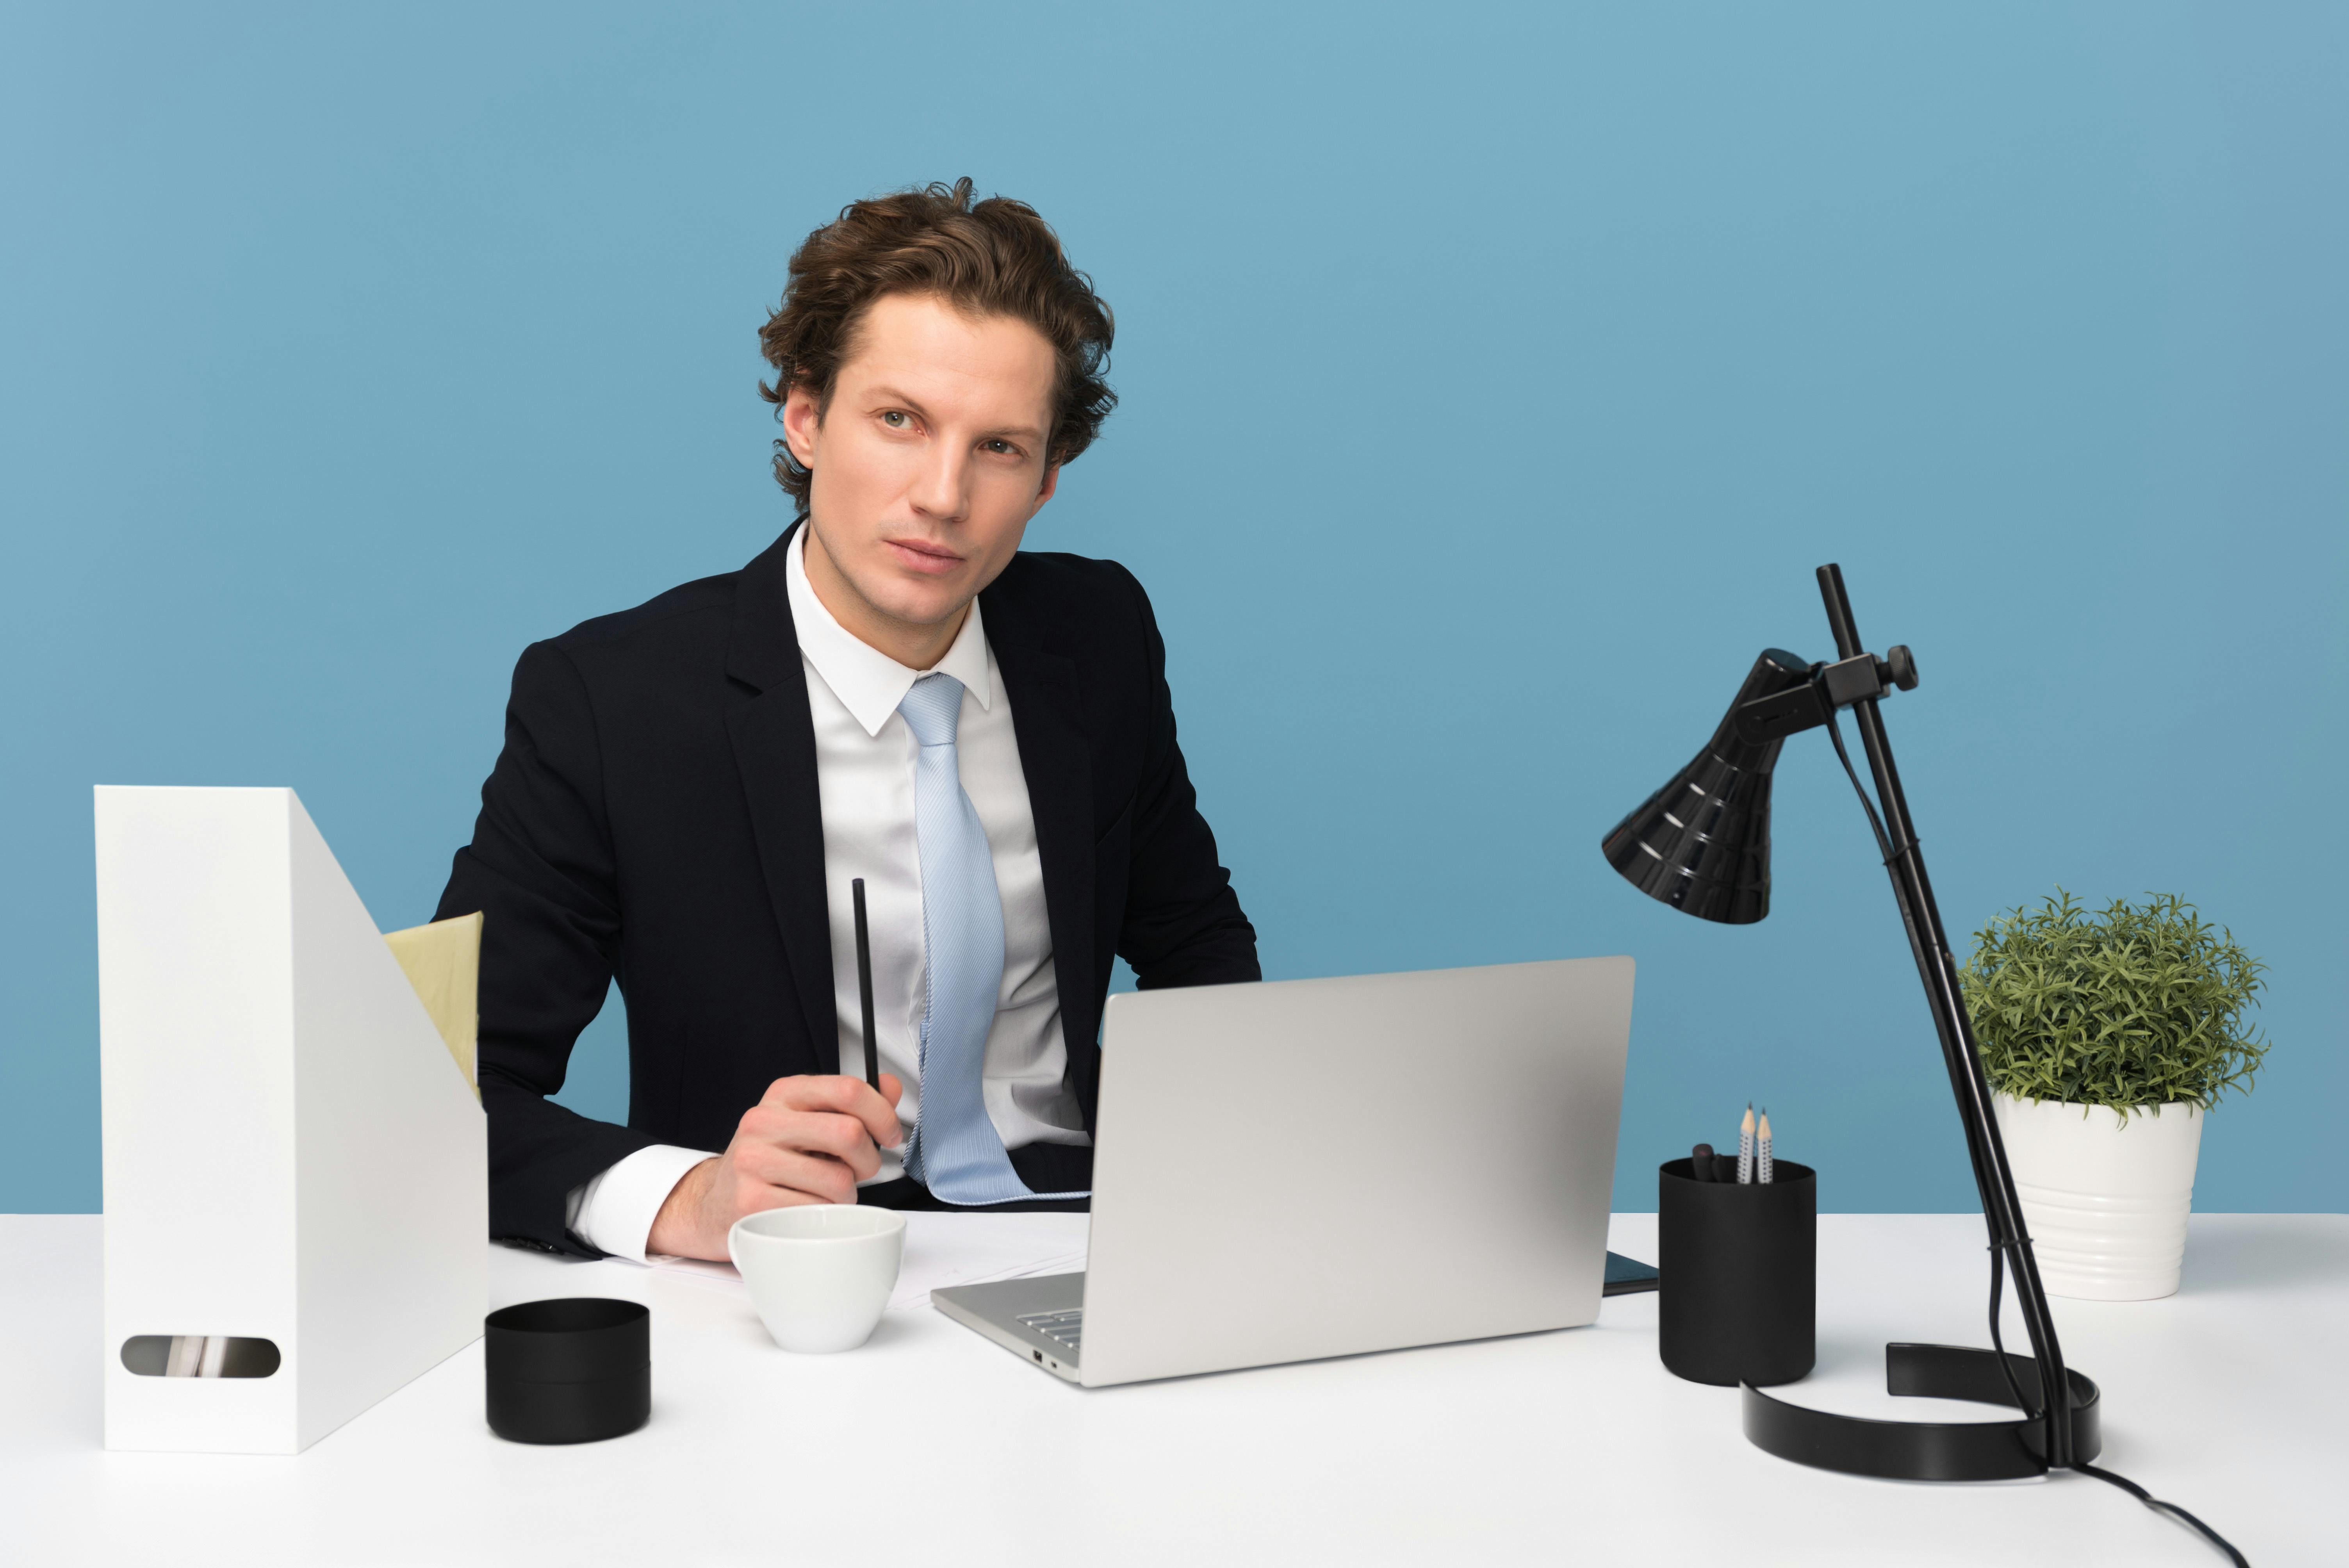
column 865, row 781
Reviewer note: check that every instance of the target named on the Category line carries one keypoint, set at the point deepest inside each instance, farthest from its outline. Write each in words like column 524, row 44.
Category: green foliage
column 2139, row 1006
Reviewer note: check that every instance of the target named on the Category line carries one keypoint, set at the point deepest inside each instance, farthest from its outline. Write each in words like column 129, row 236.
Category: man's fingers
column 809, row 1140
column 820, row 1178
column 823, row 1132
column 758, row 1197
column 848, row 1096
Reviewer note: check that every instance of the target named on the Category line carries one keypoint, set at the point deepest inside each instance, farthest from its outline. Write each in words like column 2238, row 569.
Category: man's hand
column 810, row 1140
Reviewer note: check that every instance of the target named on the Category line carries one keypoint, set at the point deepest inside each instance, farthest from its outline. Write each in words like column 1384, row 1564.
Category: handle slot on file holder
column 199, row 1356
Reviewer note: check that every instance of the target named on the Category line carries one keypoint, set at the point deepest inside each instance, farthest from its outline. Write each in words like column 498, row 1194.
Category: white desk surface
column 933, row 1446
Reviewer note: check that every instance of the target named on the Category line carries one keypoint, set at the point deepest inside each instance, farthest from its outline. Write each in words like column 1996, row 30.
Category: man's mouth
column 921, row 555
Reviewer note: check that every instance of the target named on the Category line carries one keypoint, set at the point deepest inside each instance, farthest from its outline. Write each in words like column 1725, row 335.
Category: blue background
column 1493, row 378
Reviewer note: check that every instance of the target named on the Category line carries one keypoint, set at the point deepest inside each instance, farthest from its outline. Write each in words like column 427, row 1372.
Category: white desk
column 932, row 1446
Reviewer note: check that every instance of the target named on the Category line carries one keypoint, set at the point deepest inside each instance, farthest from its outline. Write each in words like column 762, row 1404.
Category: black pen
column 864, row 985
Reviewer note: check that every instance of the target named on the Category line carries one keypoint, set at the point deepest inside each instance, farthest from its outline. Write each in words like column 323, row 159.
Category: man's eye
column 894, row 419
column 999, row 446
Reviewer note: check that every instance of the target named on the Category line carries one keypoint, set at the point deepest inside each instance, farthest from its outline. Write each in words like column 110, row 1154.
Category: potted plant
column 2107, row 1037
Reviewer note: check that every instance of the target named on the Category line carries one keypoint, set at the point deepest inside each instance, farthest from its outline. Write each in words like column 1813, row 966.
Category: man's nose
column 941, row 485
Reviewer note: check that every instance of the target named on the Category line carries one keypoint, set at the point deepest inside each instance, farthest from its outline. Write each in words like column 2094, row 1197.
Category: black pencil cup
column 1738, row 1300
column 574, row 1370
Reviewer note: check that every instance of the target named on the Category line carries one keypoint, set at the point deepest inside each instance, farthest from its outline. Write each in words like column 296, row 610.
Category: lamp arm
column 1938, row 970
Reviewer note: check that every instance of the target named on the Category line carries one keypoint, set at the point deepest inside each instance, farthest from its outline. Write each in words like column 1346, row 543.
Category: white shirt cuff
column 615, row 1212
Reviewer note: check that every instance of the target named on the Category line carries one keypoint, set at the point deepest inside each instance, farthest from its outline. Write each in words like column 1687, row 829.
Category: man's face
column 927, row 467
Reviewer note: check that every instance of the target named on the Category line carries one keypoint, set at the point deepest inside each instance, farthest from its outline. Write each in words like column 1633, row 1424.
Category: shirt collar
column 868, row 682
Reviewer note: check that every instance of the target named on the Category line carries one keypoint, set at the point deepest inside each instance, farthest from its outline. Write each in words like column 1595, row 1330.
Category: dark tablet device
column 1627, row 1275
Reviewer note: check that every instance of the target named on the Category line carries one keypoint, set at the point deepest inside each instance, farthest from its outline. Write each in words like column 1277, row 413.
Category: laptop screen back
column 1311, row 1167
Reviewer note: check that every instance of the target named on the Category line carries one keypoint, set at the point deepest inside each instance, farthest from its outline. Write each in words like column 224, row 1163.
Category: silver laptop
column 1311, row 1167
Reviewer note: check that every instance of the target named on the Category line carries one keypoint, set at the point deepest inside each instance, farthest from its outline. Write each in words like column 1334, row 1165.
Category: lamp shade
column 1701, row 843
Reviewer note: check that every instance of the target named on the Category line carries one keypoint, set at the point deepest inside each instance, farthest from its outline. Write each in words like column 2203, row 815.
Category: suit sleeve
column 1182, row 925
column 541, row 870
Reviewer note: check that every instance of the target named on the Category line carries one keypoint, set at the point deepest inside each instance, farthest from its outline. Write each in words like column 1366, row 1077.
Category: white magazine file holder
column 293, row 1153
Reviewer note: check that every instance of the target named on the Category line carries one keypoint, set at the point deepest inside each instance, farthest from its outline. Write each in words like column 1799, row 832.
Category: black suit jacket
column 654, row 819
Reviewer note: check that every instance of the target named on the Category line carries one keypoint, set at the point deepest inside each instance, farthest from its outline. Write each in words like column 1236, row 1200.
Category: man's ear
column 1051, row 483
column 802, row 422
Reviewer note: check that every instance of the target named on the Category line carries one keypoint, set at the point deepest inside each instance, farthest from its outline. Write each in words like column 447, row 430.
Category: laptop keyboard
column 1065, row 1329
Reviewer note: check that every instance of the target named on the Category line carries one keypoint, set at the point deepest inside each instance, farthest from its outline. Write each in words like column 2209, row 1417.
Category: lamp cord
column 1875, row 823
column 1997, row 1280
column 2155, row 1503
column 1997, row 1257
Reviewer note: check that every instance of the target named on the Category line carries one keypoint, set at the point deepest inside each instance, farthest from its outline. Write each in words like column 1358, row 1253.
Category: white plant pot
column 2106, row 1201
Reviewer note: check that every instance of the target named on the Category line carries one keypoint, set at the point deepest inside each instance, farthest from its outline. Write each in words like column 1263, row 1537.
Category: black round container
column 571, row 1370
column 1738, row 1299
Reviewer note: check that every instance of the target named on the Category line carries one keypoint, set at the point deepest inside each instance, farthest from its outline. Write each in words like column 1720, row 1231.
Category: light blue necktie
column 955, row 1150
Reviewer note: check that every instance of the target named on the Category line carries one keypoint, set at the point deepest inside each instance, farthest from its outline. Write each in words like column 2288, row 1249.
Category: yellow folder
column 443, row 962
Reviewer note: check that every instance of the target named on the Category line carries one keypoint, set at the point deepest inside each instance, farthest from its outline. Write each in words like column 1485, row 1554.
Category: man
column 889, row 692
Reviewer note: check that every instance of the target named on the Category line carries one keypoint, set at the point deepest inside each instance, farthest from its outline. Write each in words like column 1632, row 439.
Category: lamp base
column 1928, row 1451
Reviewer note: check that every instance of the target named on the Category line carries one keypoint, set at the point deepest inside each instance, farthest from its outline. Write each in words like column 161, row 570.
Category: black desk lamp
column 1701, row 843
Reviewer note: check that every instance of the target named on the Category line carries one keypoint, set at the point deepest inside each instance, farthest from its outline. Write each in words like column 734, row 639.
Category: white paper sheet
column 949, row 1249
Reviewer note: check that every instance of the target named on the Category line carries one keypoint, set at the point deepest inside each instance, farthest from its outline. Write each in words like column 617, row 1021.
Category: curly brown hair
column 995, row 257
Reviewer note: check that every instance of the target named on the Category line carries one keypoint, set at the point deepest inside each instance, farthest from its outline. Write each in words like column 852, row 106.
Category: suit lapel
column 1056, row 755
column 773, row 736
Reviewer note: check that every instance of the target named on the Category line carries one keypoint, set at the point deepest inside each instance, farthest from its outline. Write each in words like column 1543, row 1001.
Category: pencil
column 1764, row 1155
column 864, row 985
column 1745, row 1145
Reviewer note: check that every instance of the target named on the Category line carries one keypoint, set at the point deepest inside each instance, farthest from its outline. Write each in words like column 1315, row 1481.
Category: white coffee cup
column 819, row 1274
